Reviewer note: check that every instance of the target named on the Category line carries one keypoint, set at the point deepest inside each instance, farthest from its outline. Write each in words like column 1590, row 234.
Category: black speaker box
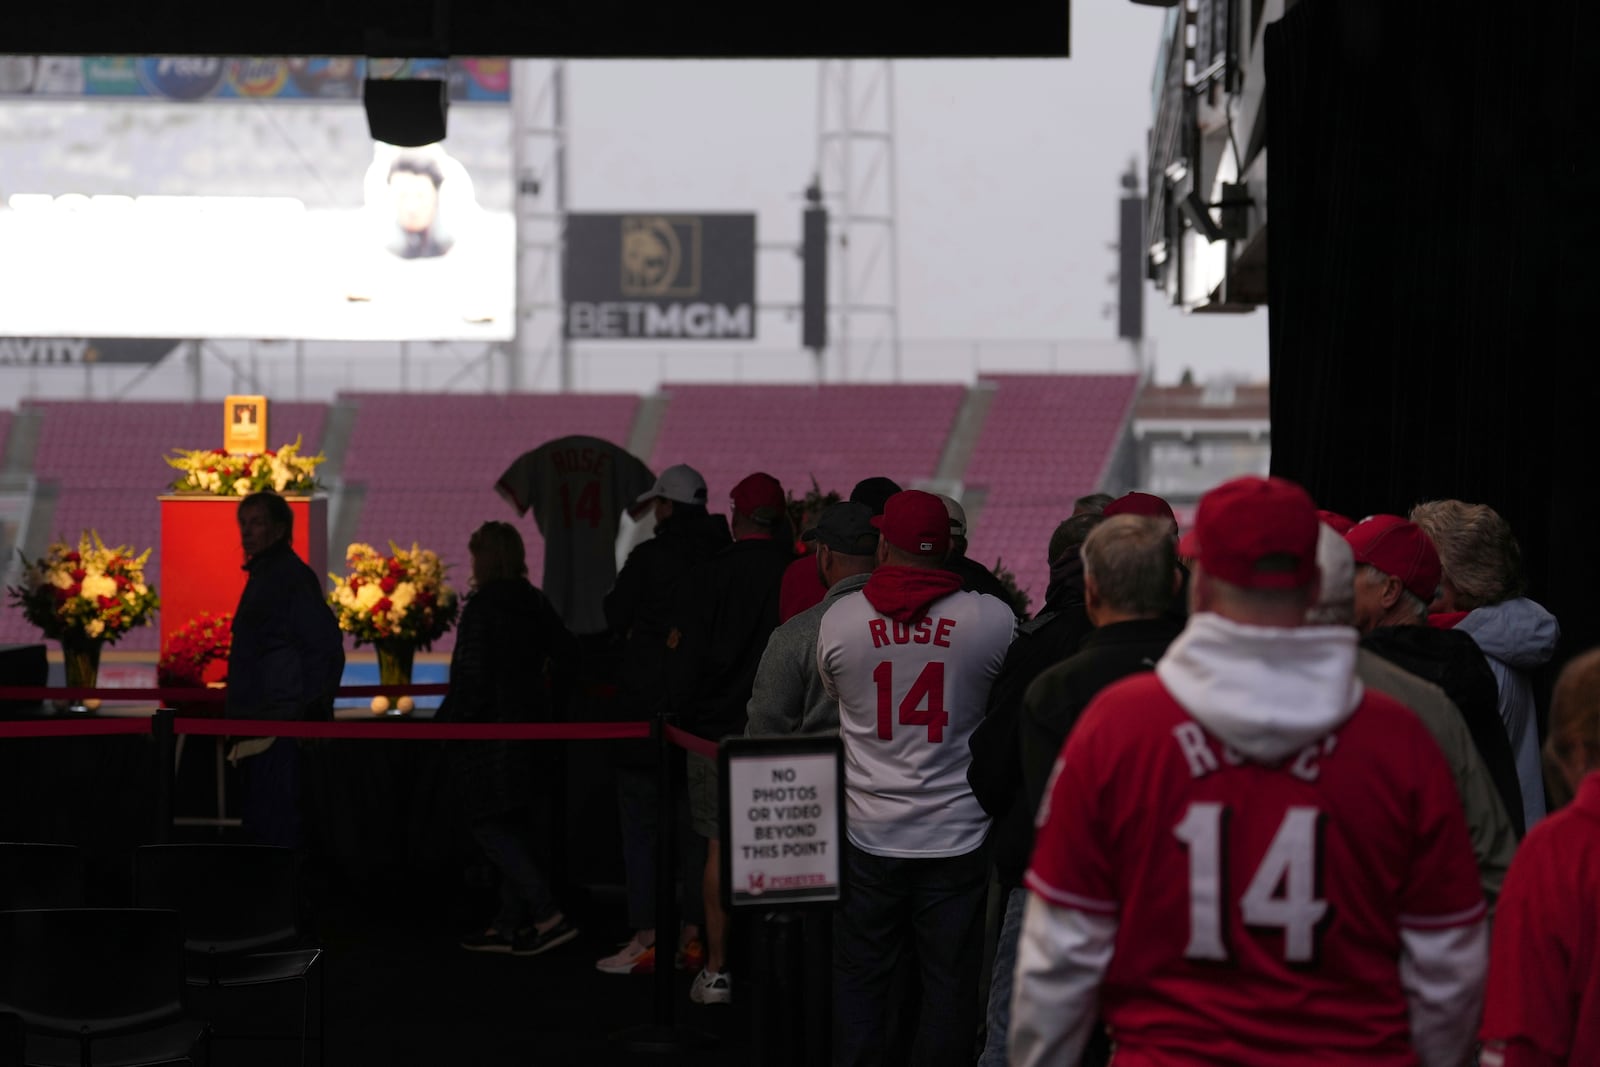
column 406, row 112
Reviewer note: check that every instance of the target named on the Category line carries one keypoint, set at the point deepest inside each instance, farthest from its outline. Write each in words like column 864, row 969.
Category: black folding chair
column 40, row 876
column 98, row 985
column 239, row 907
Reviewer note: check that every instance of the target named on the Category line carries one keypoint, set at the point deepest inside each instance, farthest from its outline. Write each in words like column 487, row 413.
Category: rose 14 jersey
column 910, row 695
column 1258, row 908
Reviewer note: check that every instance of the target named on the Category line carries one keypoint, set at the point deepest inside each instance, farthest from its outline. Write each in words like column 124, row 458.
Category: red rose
column 106, row 602
column 79, row 574
column 356, row 583
column 72, row 557
column 382, row 606
column 388, row 584
column 74, row 589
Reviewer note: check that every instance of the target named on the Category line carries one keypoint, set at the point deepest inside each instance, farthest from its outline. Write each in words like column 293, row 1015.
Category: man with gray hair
column 1130, row 576
column 1396, row 574
column 1488, row 825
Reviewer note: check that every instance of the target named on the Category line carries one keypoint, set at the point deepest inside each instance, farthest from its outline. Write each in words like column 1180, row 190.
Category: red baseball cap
column 1243, row 522
column 1145, row 504
column 1399, row 548
column 915, row 522
column 1341, row 523
column 760, row 497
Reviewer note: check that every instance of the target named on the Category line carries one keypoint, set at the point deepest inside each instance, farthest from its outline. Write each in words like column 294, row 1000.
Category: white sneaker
column 711, row 988
column 632, row 958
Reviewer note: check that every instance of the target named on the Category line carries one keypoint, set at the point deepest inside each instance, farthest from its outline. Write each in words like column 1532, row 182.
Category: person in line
column 788, row 696
column 910, row 662
column 995, row 773
column 975, row 577
column 507, row 640
column 724, row 612
column 1129, row 574
column 1494, row 839
column 638, row 612
column 1542, row 1008
column 1481, row 595
column 285, row 662
column 1397, row 576
column 1244, row 855
column 801, row 587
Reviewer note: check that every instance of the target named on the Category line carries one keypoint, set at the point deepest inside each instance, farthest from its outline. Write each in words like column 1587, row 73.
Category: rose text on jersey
column 1195, row 745
column 928, row 631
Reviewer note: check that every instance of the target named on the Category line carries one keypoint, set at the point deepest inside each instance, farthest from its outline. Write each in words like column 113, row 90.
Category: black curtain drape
column 1433, row 180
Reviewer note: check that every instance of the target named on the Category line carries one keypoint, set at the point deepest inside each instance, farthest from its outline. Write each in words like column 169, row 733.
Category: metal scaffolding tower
column 539, row 159
column 856, row 172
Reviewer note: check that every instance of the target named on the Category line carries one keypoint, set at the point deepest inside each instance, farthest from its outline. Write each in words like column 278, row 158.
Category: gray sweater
column 788, row 697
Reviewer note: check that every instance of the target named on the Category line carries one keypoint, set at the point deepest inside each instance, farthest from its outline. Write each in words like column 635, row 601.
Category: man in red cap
column 725, row 609
column 910, row 659
column 1397, row 574
column 1244, row 857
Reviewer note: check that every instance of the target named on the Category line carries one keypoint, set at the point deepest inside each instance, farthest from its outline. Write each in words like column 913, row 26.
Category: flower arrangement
column 91, row 592
column 215, row 472
column 399, row 597
column 200, row 642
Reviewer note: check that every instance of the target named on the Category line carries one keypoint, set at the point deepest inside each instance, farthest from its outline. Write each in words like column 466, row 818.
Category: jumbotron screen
column 250, row 218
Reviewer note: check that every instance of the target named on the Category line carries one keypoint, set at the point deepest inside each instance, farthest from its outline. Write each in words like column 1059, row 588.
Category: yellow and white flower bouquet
column 400, row 597
column 217, row 473
column 90, row 592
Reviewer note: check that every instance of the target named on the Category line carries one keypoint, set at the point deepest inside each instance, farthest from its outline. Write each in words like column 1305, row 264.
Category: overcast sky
column 1008, row 178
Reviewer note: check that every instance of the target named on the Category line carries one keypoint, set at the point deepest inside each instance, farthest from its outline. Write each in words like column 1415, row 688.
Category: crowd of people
column 1257, row 795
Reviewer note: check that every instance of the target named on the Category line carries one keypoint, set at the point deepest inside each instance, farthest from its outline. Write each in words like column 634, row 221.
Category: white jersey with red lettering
column 1267, row 862
column 578, row 488
column 910, row 695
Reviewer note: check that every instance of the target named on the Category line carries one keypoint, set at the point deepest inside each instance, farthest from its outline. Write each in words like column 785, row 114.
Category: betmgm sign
column 660, row 277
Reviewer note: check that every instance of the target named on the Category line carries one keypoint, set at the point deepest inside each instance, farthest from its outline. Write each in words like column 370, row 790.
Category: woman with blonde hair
column 1543, row 1002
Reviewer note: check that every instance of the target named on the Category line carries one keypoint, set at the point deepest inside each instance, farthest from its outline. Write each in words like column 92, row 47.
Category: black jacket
column 723, row 614
column 1452, row 660
column 639, row 606
column 508, row 634
column 1057, row 698
column 995, row 773
column 976, row 578
column 287, row 654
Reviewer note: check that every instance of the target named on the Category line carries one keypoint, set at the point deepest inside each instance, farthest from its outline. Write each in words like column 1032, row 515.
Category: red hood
column 905, row 593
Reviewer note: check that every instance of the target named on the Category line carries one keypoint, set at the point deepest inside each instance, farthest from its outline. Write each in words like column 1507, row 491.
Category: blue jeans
column 891, row 904
column 998, row 1021
column 524, row 893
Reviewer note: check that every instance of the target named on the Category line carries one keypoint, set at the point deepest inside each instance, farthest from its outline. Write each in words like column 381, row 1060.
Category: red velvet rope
column 698, row 745
column 383, row 726
column 182, row 695
column 73, row 727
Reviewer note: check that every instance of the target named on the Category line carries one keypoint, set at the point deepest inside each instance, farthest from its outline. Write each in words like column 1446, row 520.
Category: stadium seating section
column 426, row 464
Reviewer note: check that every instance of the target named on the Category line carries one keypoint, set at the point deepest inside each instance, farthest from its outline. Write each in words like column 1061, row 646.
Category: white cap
column 681, row 484
column 958, row 516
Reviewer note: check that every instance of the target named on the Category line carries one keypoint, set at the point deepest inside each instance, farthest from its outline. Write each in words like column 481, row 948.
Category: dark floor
column 401, row 991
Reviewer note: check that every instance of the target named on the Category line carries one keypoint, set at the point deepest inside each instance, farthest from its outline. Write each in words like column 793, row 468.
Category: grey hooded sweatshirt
column 1516, row 636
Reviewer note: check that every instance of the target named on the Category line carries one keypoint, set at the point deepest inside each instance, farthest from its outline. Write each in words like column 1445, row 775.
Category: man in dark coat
column 638, row 611
column 1397, row 573
column 996, row 770
column 726, row 609
column 975, row 577
column 1131, row 577
column 285, row 662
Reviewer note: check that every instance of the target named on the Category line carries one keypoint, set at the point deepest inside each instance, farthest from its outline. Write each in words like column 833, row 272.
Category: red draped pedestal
column 201, row 563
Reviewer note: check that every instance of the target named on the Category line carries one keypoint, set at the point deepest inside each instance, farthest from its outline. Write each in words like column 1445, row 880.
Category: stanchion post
column 664, row 1036
column 166, row 742
column 780, row 1017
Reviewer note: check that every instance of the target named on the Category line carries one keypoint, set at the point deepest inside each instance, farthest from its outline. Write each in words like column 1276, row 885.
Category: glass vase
column 80, row 656
column 394, row 661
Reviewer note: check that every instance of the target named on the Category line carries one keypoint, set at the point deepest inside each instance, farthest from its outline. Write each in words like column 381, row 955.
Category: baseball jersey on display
column 1259, row 905
column 578, row 488
column 910, row 694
